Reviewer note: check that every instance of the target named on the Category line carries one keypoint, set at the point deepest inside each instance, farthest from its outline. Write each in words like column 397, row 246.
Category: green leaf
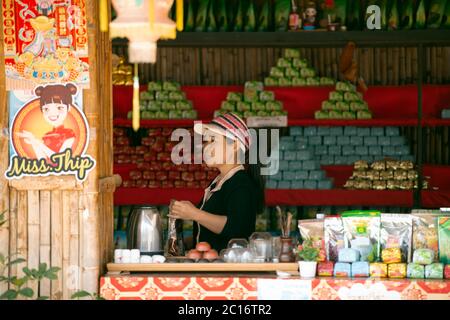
column 2, row 259
column 27, row 271
column 16, row 261
column 42, row 298
column 18, row 282
column 42, row 267
column 9, row 294
column 98, row 297
column 80, row 294
column 26, row 292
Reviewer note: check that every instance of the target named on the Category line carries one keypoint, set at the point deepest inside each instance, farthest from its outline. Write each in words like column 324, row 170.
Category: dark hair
column 56, row 94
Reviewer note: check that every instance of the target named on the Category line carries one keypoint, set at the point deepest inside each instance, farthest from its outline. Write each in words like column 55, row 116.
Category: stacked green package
column 344, row 103
column 255, row 101
column 292, row 70
column 165, row 100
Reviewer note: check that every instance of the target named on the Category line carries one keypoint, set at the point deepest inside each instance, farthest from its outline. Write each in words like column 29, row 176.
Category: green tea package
column 189, row 23
column 221, row 16
column 362, row 232
column 396, row 232
column 446, row 16
column 202, row 13
column 250, row 18
column 239, row 16
column 282, row 10
column 421, row 17
column 444, row 239
column 393, row 16
column 407, row 13
column 436, row 13
column 263, row 19
column 211, row 25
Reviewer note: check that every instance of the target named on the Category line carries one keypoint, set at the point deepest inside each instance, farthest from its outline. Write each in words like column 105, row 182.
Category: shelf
column 187, row 123
column 202, row 267
column 169, row 123
column 318, row 38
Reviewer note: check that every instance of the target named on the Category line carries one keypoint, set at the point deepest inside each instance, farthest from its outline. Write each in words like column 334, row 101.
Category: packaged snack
column 145, row 95
column 266, row 96
column 292, row 53
column 276, row 72
column 397, row 270
column 415, row 271
column 447, row 271
column 313, row 229
column 326, row 81
column 162, row 95
column 251, row 95
column 299, row 63
column 307, row 72
column 378, row 270
column 234, row 96
column 364, row 114
column 325, row 269
column 257, row 85
column 291, row 72
column 271, row 81
column 352, row 96
column 396, row 233
column 345, row 86
column 362, row 230
column 342, row 269
column 154, row 86
column 360, row 269
column 348, row 255
column 391, row 255
column 298, row 81
column 284, row 82
column 360, row 165
column 336, row 96
column 423, row 256
column 274, row 105
column 284, row 63
column 334, row 237
column 444, row 239
column 312, row 81
column 434, row 271
column 171, row 86
column 425, row 232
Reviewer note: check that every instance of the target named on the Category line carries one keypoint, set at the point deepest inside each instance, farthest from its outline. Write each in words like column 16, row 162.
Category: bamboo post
column 33, row 235
column 45, row 239
column 56, row 242
column 13, row 228
column 4, row 155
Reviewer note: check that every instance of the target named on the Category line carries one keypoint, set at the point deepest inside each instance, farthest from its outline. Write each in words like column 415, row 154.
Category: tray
column 202, row 267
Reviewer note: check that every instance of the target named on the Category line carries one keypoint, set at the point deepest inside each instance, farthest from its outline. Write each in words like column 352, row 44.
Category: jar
column 261, row 246
column 286, row 254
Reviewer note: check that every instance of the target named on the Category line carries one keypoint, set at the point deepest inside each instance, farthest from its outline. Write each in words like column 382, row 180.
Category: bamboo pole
column 45, row 239
column 57, row 212
column 4, row 155
column 13, row 229
column 66, row 270
column 33, row 235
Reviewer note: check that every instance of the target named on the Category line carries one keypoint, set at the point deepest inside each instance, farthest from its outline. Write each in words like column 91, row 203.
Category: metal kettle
column 144, row 230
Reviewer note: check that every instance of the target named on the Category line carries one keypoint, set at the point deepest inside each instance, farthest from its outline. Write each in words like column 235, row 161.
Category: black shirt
column 236, row 199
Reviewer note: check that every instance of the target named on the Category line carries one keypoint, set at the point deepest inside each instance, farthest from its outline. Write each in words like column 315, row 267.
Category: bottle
column 294, row 18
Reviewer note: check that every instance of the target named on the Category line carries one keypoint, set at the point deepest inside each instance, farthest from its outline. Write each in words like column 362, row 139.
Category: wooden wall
column 55, row 219
column 230, row 66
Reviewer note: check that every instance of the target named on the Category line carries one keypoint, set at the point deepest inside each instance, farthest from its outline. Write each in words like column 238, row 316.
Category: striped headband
column 234, row 125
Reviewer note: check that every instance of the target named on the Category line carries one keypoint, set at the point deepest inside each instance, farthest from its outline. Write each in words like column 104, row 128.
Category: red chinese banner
column 45, row 41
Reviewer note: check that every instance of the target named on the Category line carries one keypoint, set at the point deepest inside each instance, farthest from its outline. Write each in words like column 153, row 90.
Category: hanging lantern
column 143, row 22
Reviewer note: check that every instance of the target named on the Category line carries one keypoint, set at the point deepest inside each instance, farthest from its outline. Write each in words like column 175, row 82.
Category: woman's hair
column 56, row 94
column 254, row 171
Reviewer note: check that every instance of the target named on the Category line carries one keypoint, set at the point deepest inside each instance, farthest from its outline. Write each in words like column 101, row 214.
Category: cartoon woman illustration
column 55, row 103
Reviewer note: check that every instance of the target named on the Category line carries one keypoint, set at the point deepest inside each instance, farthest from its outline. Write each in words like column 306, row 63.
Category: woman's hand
column 184, row 210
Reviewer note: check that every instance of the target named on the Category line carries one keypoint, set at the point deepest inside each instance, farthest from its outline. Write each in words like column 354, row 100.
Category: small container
column 286, row 253
column 276, row 249
column 118, row 255
column 261, row 246
column 135, row 255
column 307, row 269
column 238, row 243
column 126, row 256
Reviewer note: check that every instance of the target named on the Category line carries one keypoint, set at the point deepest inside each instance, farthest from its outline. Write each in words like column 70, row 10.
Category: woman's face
column 218, row 150
column 55, row 113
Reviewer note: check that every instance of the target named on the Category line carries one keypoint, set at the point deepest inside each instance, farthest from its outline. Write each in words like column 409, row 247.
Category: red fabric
column 386, row 102
column 55, row 139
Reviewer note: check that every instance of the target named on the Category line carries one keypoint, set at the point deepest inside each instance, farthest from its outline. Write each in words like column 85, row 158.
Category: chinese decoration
column 45, row 41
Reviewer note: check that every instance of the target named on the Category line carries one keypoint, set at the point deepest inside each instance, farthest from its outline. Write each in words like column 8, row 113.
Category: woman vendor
column 232, row 200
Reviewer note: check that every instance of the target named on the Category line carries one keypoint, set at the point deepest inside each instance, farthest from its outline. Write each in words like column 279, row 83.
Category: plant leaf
column 18, row 282
column 16, row 261
column 27, row 271
column 26, row 292
column 9, row 294
column 80, row 294
column 42, row 298
column 42, row 267
column 2, row 259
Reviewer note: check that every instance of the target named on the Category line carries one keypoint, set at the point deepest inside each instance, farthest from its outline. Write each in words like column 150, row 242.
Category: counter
column 226, row 286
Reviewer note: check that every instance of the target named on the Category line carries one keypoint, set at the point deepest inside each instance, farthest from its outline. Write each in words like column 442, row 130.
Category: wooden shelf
column 318, row 38
column 202, row 267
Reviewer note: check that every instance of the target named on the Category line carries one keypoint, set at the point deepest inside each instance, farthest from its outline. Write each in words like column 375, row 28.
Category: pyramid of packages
column 165, row 100
column 344, row 103
column 292, row 70
column 255, row 101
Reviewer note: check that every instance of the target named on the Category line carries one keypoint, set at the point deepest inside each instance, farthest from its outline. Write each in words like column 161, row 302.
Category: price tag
column 267, row 122
column 284, row 289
